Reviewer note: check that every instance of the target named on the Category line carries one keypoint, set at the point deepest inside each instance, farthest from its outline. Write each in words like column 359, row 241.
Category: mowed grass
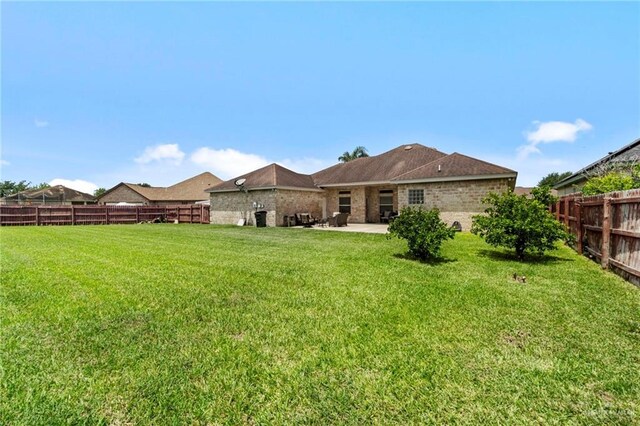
column 197, row 324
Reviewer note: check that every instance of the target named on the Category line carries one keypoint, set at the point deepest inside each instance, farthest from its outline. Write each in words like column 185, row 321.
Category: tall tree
column 358, row 152
column 98, row 192
column 9, row 187
column 43, row 185
column 553, row 178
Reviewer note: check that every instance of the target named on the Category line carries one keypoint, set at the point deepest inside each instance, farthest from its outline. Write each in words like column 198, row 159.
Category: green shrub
column 519, row 223
column 423, row 230
column 612, row 181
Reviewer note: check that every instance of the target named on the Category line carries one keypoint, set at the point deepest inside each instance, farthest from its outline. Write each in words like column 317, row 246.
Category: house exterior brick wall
column 358, row 203
column 456, row 200
column 373, row 201
column 290, row 202
column 123, row 194
column 228, row 207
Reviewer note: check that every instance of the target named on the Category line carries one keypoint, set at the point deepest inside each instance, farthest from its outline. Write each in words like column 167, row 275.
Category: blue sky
column 98, row 93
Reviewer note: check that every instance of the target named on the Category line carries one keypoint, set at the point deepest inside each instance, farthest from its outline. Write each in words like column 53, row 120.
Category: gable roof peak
column 270, row 176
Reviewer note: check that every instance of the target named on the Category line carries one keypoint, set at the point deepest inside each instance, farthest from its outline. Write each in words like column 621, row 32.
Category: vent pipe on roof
column 408, row 147
column 439, row 168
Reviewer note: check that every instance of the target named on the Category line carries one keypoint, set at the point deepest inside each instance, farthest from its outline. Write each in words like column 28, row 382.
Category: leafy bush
column 543, row 195
column 519, row 223
column 612, row 181
column 423, row 230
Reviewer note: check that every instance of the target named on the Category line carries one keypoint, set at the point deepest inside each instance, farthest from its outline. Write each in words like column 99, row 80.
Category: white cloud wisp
column 227, row 163
column 166, row 152
column 550, row 132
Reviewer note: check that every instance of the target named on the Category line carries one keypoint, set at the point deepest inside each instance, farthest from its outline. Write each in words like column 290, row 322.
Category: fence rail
column 101, row 215
column 607, row 227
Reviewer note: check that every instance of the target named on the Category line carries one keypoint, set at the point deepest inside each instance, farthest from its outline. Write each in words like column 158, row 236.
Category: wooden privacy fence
column 101, row 215
column 607, row 227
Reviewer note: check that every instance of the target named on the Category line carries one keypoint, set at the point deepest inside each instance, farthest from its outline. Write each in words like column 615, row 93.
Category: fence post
column 73, row 215
column 577, row 207
column 606, row 231
column 201, row 213
column 566, row 212
column 137, row 214
column 106, row 214
column 558, row 210
column 37, row 216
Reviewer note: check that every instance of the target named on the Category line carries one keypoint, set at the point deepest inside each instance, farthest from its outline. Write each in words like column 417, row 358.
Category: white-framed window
column 416, row 196
column 344, row 202
column 386, row 200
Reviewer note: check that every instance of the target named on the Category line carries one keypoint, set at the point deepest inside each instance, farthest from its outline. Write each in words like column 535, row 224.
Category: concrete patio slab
column 371, row 228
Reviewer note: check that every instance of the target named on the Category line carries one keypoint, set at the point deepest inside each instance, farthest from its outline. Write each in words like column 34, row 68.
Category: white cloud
column 227, row 163
column 550, row 132
column 165, row 165
column 166, row 152
column 40, row 123
column 4, row 163
column 77, row 184
column 558, row 131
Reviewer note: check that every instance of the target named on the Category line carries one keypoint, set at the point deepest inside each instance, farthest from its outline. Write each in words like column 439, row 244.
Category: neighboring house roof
column 271, row 176
column 523, row 190
column 627, row 153
column 187, row 190
column 57, row 193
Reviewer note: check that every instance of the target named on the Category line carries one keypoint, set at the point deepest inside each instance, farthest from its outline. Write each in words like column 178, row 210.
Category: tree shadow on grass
column 433, row 262
column 529, row 258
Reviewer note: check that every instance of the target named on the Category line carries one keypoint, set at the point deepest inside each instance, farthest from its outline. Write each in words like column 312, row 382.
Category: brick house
column 188, row 191
column 409, row 175
column 281, row 191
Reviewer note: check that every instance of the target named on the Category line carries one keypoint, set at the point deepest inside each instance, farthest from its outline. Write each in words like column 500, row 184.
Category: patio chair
column 385, row 216
column 333, row 219
column 341, row 219
column 305, row 219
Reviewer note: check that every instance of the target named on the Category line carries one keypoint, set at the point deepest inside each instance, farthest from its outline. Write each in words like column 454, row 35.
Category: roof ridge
column 423, row 166
column 482, row 161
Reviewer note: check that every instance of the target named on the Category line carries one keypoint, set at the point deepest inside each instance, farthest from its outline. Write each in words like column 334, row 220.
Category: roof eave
column 265, row 188
column 364, row 183
column 570, row 180
column 457, row 178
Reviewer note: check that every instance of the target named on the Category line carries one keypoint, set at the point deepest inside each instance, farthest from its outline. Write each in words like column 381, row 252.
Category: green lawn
column 197, row 324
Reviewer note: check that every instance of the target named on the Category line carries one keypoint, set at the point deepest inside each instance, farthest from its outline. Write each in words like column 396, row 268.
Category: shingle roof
column 453, row 165
column 412, row 162
column 271, row 176
column 58, row 192
column 192, row 189
column 378, row 168
column 407, row 162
